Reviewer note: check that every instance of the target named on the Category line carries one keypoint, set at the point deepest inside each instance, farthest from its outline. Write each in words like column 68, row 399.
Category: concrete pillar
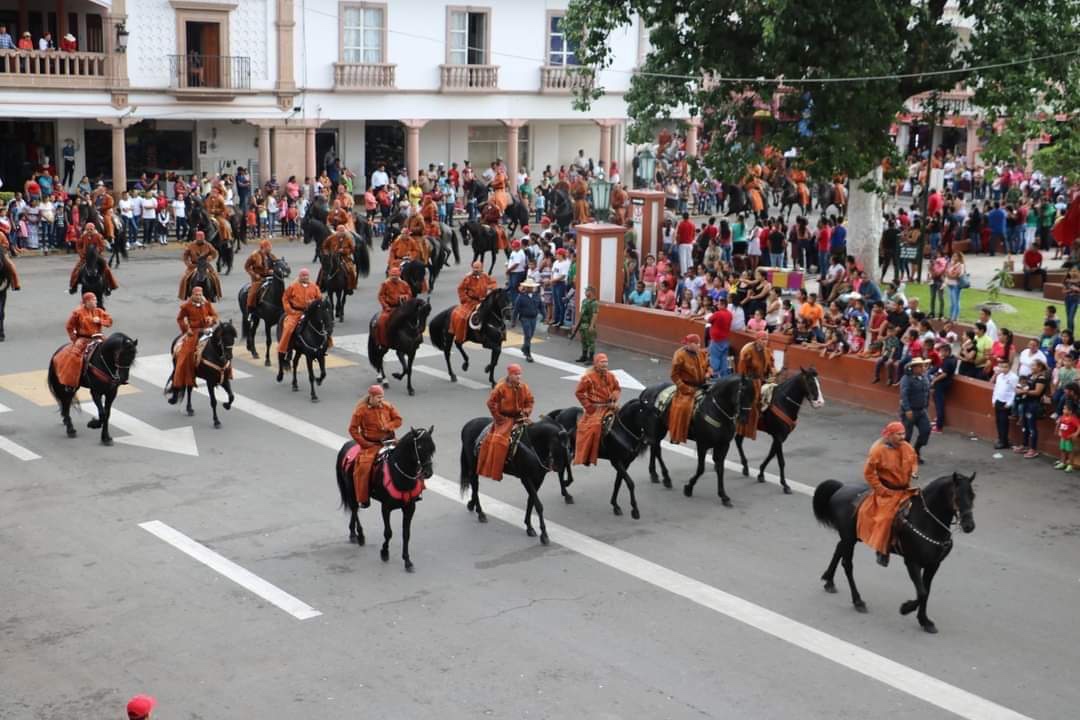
column 600, row 251
column 692, row 139
column 119, row 160
column 972, row 143
column 412, row 146
column 309, row 153
column 285, row 24
column 512, row 138
column 605, row 145
column 264, row 154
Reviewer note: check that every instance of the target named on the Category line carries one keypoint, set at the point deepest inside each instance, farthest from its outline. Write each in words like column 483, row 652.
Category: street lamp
column 647, row 166
column 121, row 38
column 601, row 198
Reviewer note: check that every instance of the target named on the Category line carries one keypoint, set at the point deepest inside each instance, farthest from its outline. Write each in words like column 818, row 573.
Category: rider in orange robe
column 689, row 371
column 196, row 249
column 579, row 191
column 799, row 177
column 373, row 423
column 492, row 216
column 430, row 212
column 890, row 466
column 296, row 299
column 620, row 205
column 756, row 362
column 500, row 198
column 510, row 402
column 219, row 211
column 196, row 314
column 341, row 242
column 259, row 266
column 598, row 392
column 90, row 236
column 107, row 204
column 86, row 322
column 340, row 216
column 409, row 244
column 471, row 291
column 392, row 293
column 839, row 191
column 13, row 276
column 754, row 190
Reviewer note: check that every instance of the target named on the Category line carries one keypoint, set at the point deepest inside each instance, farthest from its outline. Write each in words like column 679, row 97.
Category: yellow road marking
column 332, row 360
column 33, row 385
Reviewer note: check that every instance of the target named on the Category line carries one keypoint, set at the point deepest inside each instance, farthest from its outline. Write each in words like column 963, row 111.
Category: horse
column 5, row 283
column 311, row 338
column 922, row 533
column 224, row 251
column 405, row 331
column 268, row 307
column 826, row 197
column 483, row 239
column 92, row 276
column 215, row 366
column 628, row 436
column 414, row 272
column 738, row 201
column 392, row 228
column 789, row 199
column 88, row 213
column 201, row 278
column 118, row 248
column 779, row 418
column 712, row 426
column 334, row 282
column 200, row 221
column 437, row 258
column 104, row 371
column 493, row 316
column 543, row 446
column 314, row 223
column 517, row 215
column 364, row 232
column 560, row 209
column 397, row 479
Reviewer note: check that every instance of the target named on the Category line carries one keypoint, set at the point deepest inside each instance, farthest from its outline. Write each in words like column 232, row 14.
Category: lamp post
column 937, row 108
column 647, row 167
column 601, row 198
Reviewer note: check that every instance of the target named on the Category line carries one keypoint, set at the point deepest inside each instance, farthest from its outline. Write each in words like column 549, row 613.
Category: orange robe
column 620, row 202
column 839, row 193
column 392, row 293
column 888, row 471
column 471, row 292
column 430, row 212
column 594, row 391
column 13, row 276
column 369, row 427
column 340, row 216
column 343, row 245
column 257, row 266
column 82, row 326
column 404, row 247
column 88, row 238
column 192, row 320
column 508, row 405
column 107, row 204
column 492, row 216
column 500, row 198
column 758, row 366
column 219, row 211
column 799, row 178
column 753, row 193
column 580, row 191
column 689, row 372
column 192, row 253
column 295, row 301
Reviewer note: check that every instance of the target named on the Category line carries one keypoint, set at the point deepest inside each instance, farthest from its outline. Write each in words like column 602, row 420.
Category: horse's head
column 224, row 337
column 963, row 489
column 497, row 306
column 119, row 350
column 424, row 448
column 319, row 316
column 812, row 386
column 281, row 269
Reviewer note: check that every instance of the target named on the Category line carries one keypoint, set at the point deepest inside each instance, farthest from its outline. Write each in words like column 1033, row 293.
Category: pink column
column 692, row 138
column 512, row 135
column 972, row 142
column 309, row 152
column 412, row 146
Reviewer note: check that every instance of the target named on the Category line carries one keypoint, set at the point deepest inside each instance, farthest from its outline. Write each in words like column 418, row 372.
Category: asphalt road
column 692, row 611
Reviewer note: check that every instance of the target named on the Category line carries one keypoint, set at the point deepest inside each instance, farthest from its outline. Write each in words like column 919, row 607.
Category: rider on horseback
column 800, row 178
column 85, row 324
column 598, row 392
column 580, row 192
column 392, row 293
column 341, row 243
column 430, row 212
column 219, row 211
column 500, row 198
column 754, row 189
column 755, row 362
column 409, row 245
column 296, row 299
column 689, row 371
column 259, row 267
column 195, row 250
column 196, row 315
column 472, row 290
column 340, row 216
column 372, row 425
column 890, row 467
column 491, row 215
column 13, row 277
column 510, row 404
column 90, row 236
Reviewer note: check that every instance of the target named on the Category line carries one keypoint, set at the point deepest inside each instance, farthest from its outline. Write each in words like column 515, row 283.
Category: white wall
column 575, row 136
column 233, row 146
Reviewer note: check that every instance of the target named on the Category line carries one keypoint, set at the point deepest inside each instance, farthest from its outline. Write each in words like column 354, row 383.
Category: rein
column 946, row 544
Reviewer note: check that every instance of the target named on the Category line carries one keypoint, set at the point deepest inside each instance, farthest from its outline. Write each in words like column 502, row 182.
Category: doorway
column 203, row 61
column 326, row 152
column 384, row 144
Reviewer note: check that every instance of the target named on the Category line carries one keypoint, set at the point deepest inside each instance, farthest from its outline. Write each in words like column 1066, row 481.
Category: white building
column 210, row 85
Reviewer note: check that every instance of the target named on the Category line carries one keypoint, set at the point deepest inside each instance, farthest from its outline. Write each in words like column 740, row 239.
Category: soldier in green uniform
column 586, row 325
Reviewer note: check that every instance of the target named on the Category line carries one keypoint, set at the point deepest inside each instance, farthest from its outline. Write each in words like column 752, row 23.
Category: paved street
column 692, row 611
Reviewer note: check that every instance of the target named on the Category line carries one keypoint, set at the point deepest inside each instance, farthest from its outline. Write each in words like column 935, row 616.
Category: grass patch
column 1027, row 320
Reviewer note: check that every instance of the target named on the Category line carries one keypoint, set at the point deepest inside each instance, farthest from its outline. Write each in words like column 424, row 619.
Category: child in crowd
column 756, row 324
column 1068, row 427
column 1064, row 373
column 545, row 288
column 803, row 335
column 855, row 337
column 834, row 345
column 891, row 351
column 262, row 229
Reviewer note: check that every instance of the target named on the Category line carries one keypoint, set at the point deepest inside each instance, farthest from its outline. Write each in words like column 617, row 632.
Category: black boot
column 883, row 559
column 584, row 357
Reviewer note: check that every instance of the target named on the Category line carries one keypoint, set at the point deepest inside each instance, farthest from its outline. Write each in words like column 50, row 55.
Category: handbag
column 964, row 281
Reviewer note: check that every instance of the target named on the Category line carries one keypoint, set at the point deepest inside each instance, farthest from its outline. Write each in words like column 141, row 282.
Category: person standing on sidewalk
column 1004, row 395
column 685, row 232
column 941, row 382
column 586, row 325
column 914, row 403
column 719, row 331
column 527, row 308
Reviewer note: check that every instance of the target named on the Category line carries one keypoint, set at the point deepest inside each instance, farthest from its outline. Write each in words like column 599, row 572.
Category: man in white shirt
column 379, row 178
column 580, row 162
column 149, row 216
column 136, row 220
column 1028, row 356
column 180, row 214
column 517, row 266
column 560, row 269
column 1005, row 381
column 991, row 328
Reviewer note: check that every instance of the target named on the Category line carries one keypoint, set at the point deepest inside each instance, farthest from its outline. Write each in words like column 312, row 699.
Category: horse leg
column 922, row 591
column 663, row 466
column 411, row 358
column 449, row 367
column 404, row 367
column 742, row 455
column 105, row 409
column 359, row 528
column 464, row 357
column 688, row 488
column 322, row 368
column 387, row 533
column 494, row 256
column 615, row 490
column 188, row 409
column 780, row 462
column 406, row 532
column 295, row 361
column 634, row 512
column 490, row 369
column 563, row 485
column 718, row 454
column 765, row 462
column 251, row 325
column 227, row 384
column 213, row 403
column 830, row 572
column 849, row 571
column 266, row 362
column 474, row 501
column 654, row 450
column 534, row 501
column 311, row 377
column 65, row 413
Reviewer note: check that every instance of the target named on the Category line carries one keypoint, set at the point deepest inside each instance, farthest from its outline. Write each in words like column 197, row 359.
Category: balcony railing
column 364, row 76
column 210, row 74
column 53, row 69
column 562, row 79
column 469, row 78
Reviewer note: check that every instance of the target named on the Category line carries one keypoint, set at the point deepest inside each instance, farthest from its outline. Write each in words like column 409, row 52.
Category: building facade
column 280, row 86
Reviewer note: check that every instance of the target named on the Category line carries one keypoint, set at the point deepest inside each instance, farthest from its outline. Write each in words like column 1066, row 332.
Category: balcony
column 53, row 69
column 562, row 79
column 469, row 78
column 364, row 77
column 209, row 77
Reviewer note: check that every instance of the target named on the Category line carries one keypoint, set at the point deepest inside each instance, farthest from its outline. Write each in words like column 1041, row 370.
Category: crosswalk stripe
column 13, row 448
column 33, row 385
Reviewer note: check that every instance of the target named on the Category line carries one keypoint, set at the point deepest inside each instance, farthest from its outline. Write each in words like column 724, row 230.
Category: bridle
column 322, row 331
column 414, row 440
column 114, row 372
column 732, row 418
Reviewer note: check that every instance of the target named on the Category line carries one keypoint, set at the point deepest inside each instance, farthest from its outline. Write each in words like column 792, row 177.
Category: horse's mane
column 403, row 312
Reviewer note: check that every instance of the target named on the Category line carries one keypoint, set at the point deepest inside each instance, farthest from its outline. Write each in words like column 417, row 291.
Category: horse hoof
column 530, row 532
column 544, row 539
column 616, row 509
column 908, row 607
column 569, row 499
column 385, row 384
column 726, row 502
column 385, row 555
column 453, row 378
column 930, row 628
column 654, row 479
column 830, row 588
column 465, row 366
column 296, row 388
column 267, row 364
column 360, row 540
column 667, row 483
column 787, row 490
column 470, row 505
column 71, row 432
column 481, row 517
column 227, row 406
column 487, row 368
column 107, row 442
column 635, row 514
column 189, row 413
column 688, row 490
column 411, row 391
column 746, row 473
column 94, row 424
column 397, row 376
column 314, row 399
column 860, row 606
column 280, row 376
column 217, row 424
column 409, row 566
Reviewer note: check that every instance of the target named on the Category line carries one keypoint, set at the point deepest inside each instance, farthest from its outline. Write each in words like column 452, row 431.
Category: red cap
column 88, row 296
column 692, row 338
column 200, row 235
column 139, row 707
column 893, row 427
column 525, row 229
column 599, row 357
column 513, row 369
column 515, row 244
column 560, row 251
column 266, row 245
column 545, row 221
column 376, row 389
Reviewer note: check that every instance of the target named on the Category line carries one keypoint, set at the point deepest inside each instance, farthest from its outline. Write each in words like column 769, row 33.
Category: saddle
column 474, row 320
column 767, row 390
column 665, row 396
column 516, row 433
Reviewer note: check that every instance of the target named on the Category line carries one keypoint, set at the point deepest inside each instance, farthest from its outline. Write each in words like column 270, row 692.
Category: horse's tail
column 363, row 265
column 54, row 382
column 454, row 246
column 465, row 235
column 344, row 481
column 822, row 495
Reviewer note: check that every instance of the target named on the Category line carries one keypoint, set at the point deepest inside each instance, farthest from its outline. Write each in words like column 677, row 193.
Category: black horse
column 923, row 532
column 393, row 226
column 560, row 209
column 103, row 373
column 224, row 253
column 826, row 198
column 88, row 213
column 517, row 215
column 268, row 307
column 202, row 278
column 405, row 465
column 712, row 427
column 492, row 318
column 92, row 276
column 483, row 239
column 334, row 282
column 5, row 284
column 118, row 247
column 544, row 446
column 414, row 272
column 311, row 339
column 215, row 366
column 789, row 199
column 632, row 427
column 199, row 220
column 738, row 201
column 778, row 420
column 405, row 332
column 314, row 223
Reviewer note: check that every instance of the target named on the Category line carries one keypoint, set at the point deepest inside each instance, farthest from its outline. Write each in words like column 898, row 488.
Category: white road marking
column 626, row 380
column 863, row 661
column 357, row 344
column 155, row 369
column 462, row 380
column 734, row 465
column 13, row 448
column 179, row 440
column 4, row 408
column 244, row 578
